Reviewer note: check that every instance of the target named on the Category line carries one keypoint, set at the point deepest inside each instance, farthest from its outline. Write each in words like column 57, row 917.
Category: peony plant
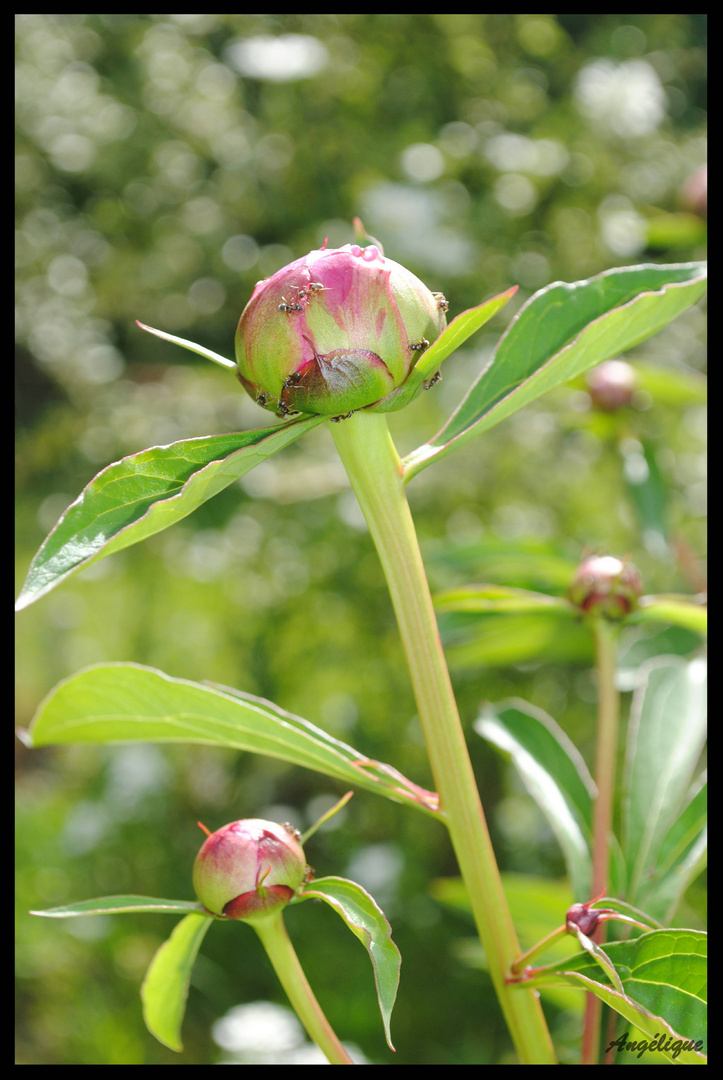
column 346, row 336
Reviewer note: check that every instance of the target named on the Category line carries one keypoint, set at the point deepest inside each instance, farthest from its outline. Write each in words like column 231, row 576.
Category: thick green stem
column 376, row 475
column 280, row 951
column 606, row 756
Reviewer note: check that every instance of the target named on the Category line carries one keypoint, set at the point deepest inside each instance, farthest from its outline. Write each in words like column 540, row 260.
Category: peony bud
column 249, row 869
column 612, row 385
column 334, row 332
column 604, row 585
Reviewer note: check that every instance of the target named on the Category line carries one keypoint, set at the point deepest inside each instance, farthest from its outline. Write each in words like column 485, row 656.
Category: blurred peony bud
column 248, row 869
column 611, row 385
column 334, row 332
column 694, row 193
column 604, row 585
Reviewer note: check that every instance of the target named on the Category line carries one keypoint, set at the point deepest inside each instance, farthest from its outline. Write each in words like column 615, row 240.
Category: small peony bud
column 604, row 585
column 334, row 331
column 249, row 869
column 581, row 916
column 586, row 918
column 611, row 385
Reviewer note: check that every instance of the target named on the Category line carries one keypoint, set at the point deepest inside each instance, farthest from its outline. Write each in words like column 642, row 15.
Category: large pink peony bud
column 335, row 331
column 607, row 586
column 249, row 869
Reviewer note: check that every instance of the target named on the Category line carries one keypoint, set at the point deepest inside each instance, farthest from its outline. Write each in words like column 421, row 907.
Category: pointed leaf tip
column 367, row 921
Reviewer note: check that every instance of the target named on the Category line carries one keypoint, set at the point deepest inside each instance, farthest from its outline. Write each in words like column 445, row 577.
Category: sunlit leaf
column 641, row 640
column 111, row 703
column 501, row 599
column 200, row 350
column 553, row 772
column 647, row 490
column 111, row 905
column 665, row 737
column 682, row 611
column 145, row 493
column 491, row 639
column 165, row 987
column 681, row 857
column 561, row 332
column 367, row 921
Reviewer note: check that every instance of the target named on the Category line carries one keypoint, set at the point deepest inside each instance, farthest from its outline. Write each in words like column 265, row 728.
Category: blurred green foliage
column 164, row 164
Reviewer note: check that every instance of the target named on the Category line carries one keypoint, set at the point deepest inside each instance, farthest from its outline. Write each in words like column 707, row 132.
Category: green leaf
column 553, row 772
column 601, row 959
column 665, row 737
column 451, row 338
column 502, row 599
column 675, row 1048
column 641, row 641
column 682, row 611
column 165, row 988
column 145, row 493
column 367, row 921
column 663, row 975
column 497, row 640
column 529, row 564
column 111, row 905
column 671, row 385
column 626, row 909
column 681, row 857
column 648, row 492
column 530, row 625
column 230, row 365
column 561, row 332
column 681, row 229
column 111, row 703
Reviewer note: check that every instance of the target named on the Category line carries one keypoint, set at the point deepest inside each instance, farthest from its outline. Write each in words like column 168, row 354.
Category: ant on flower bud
column 307, row 291
column 289, row 307
column 283, row 410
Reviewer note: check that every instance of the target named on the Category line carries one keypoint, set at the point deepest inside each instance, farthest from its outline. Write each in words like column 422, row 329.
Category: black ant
column 289, row 307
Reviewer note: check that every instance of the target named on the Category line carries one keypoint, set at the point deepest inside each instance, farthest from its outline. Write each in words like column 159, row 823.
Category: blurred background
column 165, row 163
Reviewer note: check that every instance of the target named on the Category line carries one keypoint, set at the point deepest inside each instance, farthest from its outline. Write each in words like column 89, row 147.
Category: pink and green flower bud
column 606, row 586
column 335, row 331
column 249, row 869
